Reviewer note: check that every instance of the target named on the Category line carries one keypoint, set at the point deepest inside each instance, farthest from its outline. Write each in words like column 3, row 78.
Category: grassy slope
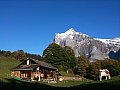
column 6, row 82
column 6, row 63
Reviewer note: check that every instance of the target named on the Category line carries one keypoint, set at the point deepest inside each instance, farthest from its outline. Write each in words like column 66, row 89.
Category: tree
column 35, row 56
column 7, row 53
column 54, row 54
column 20, row 55
column 58, row 56
column 112, row 65
column 93, row 70
column 70, row 57
column 82, row 65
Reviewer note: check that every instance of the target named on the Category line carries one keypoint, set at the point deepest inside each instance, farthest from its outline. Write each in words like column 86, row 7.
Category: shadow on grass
column 13, row 84
column 112, row 85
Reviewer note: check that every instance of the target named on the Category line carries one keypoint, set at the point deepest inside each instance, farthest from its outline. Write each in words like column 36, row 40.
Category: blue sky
column 30, row 25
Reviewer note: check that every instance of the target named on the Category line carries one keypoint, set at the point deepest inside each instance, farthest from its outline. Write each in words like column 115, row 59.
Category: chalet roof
column 32, row 66
column 43, row 64
column 26, row 67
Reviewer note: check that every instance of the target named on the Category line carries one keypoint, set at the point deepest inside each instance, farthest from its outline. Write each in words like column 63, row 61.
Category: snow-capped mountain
column 82, row 44
column 70, row 33
column 68, row 37
column 114, row 41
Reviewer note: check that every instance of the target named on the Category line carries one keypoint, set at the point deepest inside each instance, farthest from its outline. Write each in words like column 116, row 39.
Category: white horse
column 104, row 72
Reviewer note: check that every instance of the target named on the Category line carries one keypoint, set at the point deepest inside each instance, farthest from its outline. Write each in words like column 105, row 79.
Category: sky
column 30, row 25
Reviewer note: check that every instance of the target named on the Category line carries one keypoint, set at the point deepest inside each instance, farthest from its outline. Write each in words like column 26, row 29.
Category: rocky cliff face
column 83, row 44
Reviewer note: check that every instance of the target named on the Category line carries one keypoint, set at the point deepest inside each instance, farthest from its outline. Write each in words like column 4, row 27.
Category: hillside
column 7, row 83
column 6, row 63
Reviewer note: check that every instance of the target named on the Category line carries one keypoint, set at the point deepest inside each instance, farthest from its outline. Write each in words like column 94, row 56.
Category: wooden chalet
column 35, row 70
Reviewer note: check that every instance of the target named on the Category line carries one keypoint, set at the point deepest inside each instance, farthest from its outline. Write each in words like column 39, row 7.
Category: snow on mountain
column 65, row 35
column 68, row 33
column 68, row 37
column 114, row 41
column 82, row 44
column 106, row 41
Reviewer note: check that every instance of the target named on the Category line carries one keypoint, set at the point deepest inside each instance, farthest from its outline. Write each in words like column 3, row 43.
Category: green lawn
column 7, row 83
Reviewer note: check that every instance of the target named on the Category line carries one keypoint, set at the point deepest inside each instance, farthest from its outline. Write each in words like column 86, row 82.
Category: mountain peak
column 70, row 31
column 82, row 44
